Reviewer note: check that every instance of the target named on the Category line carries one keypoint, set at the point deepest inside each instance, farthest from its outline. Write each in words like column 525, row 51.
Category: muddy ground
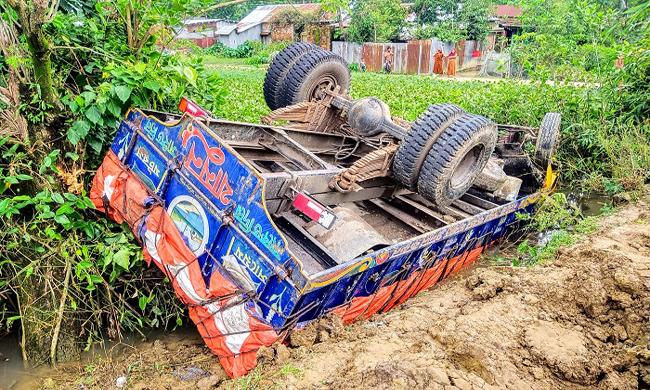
column 579, row 321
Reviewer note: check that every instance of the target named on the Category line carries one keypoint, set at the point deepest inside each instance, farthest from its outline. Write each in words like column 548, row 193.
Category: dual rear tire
column 303, row 72
column 444, row 152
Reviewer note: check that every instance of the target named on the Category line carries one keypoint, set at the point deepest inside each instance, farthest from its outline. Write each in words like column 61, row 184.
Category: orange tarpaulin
column 226, row 319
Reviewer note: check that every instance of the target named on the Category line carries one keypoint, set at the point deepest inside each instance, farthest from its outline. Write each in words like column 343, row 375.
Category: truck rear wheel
column 421, row 136
column 456, row 158
column 313, row 73
column 274, row 82
column 549, row 133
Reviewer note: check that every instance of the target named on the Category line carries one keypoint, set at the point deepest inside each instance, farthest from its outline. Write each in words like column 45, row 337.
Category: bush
column 257, row 60
column 262, row 53
column 215, row 50
column 244, row 50
column 597, row 58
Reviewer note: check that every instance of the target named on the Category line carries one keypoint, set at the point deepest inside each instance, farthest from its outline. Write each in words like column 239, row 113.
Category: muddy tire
column 274, row 82
column 421, row 136
column 547, row 139
column 456, row 158
column 312, row 73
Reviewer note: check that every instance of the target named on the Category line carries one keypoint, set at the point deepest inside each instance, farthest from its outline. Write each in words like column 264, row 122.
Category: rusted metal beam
column 476, row 201
column 419, row 206
column 467, row 207
column 459, row 214
column 416, row 224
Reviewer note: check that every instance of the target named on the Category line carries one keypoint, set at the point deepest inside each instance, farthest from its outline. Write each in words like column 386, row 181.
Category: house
column 257, row 26
column 504, row 23
column 201, row 30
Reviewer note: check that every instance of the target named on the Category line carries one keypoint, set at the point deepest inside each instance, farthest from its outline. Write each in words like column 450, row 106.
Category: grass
column 258, row 379
column 220, row 61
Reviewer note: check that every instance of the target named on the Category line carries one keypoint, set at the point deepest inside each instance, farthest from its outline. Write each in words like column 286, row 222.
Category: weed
column 132, row 366
column 563, row 225
column 608, row 209
column 529, row 255
column 288, row 369
column 251, row 381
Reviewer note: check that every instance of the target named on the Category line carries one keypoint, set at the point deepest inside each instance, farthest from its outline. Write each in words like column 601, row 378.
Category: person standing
column 451, row 69
column 619, row 62
column 388, row 59
column 437, row 62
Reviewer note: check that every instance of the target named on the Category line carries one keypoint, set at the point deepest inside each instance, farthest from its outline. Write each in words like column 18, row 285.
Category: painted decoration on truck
column 191, row 222
column 230, row 323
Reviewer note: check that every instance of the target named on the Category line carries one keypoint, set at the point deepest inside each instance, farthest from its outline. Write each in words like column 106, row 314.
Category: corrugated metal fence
column 412, row 57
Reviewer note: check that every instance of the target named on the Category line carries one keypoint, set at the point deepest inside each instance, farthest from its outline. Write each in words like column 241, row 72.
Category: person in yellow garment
column 437, row 62
column 451, row 69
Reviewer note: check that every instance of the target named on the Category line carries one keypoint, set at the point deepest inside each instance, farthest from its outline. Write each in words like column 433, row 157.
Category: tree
column 290, row 16
column 450, row 20
column 376, row 21
column 31, row 16
column 338, row 6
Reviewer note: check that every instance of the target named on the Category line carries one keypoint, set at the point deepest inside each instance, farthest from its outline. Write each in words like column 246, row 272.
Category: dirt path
column 578, row 321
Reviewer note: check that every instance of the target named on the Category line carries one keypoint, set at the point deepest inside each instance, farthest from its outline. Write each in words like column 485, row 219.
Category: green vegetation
column 209, row 61
column 376, row 21
column 257, row 379
column 557, row 223
column 450, row 20
column 253, row 53
column 68, row 276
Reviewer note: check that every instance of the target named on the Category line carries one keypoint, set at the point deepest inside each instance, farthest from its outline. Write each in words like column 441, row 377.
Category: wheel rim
column 465, row 167
column 319, row 88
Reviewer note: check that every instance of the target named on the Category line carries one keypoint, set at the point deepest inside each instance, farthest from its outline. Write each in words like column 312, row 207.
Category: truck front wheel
column 313, row 74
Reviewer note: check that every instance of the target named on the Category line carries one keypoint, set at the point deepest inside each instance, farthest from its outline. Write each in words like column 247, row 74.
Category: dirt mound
column 579, row 320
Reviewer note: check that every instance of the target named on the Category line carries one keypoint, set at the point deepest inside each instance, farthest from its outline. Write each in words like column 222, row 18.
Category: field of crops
column 589, row 150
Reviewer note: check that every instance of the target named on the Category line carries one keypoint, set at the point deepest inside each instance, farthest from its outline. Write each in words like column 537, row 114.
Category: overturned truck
column 341, row 209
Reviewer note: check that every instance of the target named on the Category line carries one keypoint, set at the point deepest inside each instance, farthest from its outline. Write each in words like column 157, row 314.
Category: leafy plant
column 63, row 244
column 70, row 76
